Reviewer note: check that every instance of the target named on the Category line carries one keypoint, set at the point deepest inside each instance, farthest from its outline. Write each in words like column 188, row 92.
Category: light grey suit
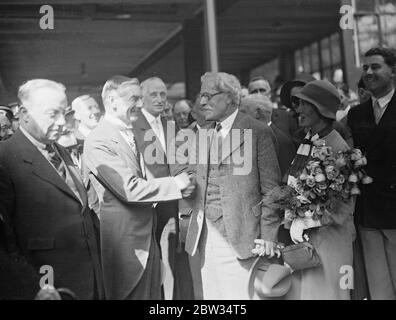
column 126, row 214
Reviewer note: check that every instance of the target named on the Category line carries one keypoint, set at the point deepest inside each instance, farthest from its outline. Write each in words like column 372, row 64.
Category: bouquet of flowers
column 325, row 179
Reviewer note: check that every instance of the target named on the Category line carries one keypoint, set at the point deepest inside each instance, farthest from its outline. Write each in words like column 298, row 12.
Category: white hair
column 26, row 89
column 225, row 82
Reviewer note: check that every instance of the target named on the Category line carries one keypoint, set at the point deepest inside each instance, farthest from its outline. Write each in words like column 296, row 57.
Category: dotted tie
column 218, row 127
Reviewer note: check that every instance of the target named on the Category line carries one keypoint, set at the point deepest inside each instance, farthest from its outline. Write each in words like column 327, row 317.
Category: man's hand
column 188, row 191
column 266, row 248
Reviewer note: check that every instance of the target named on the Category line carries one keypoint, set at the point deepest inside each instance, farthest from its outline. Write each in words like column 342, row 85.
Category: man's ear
column 24, row 114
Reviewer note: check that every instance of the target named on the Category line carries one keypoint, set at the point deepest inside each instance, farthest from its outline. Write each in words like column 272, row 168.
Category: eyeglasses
column 208, row 95
column 259, row 90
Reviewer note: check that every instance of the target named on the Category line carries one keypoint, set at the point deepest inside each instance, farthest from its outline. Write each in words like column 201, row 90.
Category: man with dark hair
column 373, row 125
column 363, row 93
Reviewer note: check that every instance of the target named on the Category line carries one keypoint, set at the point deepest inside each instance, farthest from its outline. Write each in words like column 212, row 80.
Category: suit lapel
column 142, row 126
column 40, row 165
column 390, row 112
column 75, row 175
column 115, row 137
column 230, row 143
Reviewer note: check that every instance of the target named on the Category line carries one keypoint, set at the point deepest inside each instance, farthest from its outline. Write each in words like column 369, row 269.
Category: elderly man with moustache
column 150, row 129
column 43, row 198
column 228, row 224
column 373, row 126
column 130, row 253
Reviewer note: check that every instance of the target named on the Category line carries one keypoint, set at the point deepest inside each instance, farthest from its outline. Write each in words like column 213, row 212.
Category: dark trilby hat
column 285, row 94
column 323, row 95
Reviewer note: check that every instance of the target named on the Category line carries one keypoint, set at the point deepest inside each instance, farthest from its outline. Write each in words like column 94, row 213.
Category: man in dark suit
column 151, row 129
column 373, row 126
column 282, row 118
column 227, row 216
column 43, row 196
column 130, row 253
column 258, row 108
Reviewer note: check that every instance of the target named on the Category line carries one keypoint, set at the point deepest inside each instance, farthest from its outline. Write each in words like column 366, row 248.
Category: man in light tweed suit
column 227, row 219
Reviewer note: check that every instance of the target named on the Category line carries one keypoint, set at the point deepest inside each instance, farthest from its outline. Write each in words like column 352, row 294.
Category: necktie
column 159, row 132
column 131, row 139
column 215, row 151
column 377, row 112
column 56, row 160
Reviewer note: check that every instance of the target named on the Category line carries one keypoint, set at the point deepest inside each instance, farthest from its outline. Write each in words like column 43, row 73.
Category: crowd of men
column 80, row 193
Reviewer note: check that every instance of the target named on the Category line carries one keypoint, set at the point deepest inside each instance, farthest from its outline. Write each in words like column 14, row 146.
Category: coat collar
column 235, row 137
column 41, row 167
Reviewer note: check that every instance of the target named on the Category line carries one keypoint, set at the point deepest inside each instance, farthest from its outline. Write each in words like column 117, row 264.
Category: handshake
column 186, row 183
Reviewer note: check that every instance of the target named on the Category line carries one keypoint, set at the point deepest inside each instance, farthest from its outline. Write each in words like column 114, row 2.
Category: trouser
column 167, row 235
column 224, row 276
column 379, row 250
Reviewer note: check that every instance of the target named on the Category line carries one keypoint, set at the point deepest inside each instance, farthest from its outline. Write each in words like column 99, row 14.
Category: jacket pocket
column 41, row 243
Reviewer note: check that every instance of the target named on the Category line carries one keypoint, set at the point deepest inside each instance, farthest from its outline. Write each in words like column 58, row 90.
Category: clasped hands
column 189, row 184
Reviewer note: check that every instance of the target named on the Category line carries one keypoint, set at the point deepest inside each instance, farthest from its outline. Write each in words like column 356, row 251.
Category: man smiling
column 373, row 125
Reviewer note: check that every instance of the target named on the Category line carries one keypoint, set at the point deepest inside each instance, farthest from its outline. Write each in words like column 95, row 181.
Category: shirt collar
column 33, row 140
column 227, row 123
column 383, row 101
column 84, row 130
column 117, row 122
column 150, row 118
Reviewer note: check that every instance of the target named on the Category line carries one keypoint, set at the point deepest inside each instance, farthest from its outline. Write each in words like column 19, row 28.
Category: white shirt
column 84, row 130
column 383, row 102
column 156, row 125
column 227, row 123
